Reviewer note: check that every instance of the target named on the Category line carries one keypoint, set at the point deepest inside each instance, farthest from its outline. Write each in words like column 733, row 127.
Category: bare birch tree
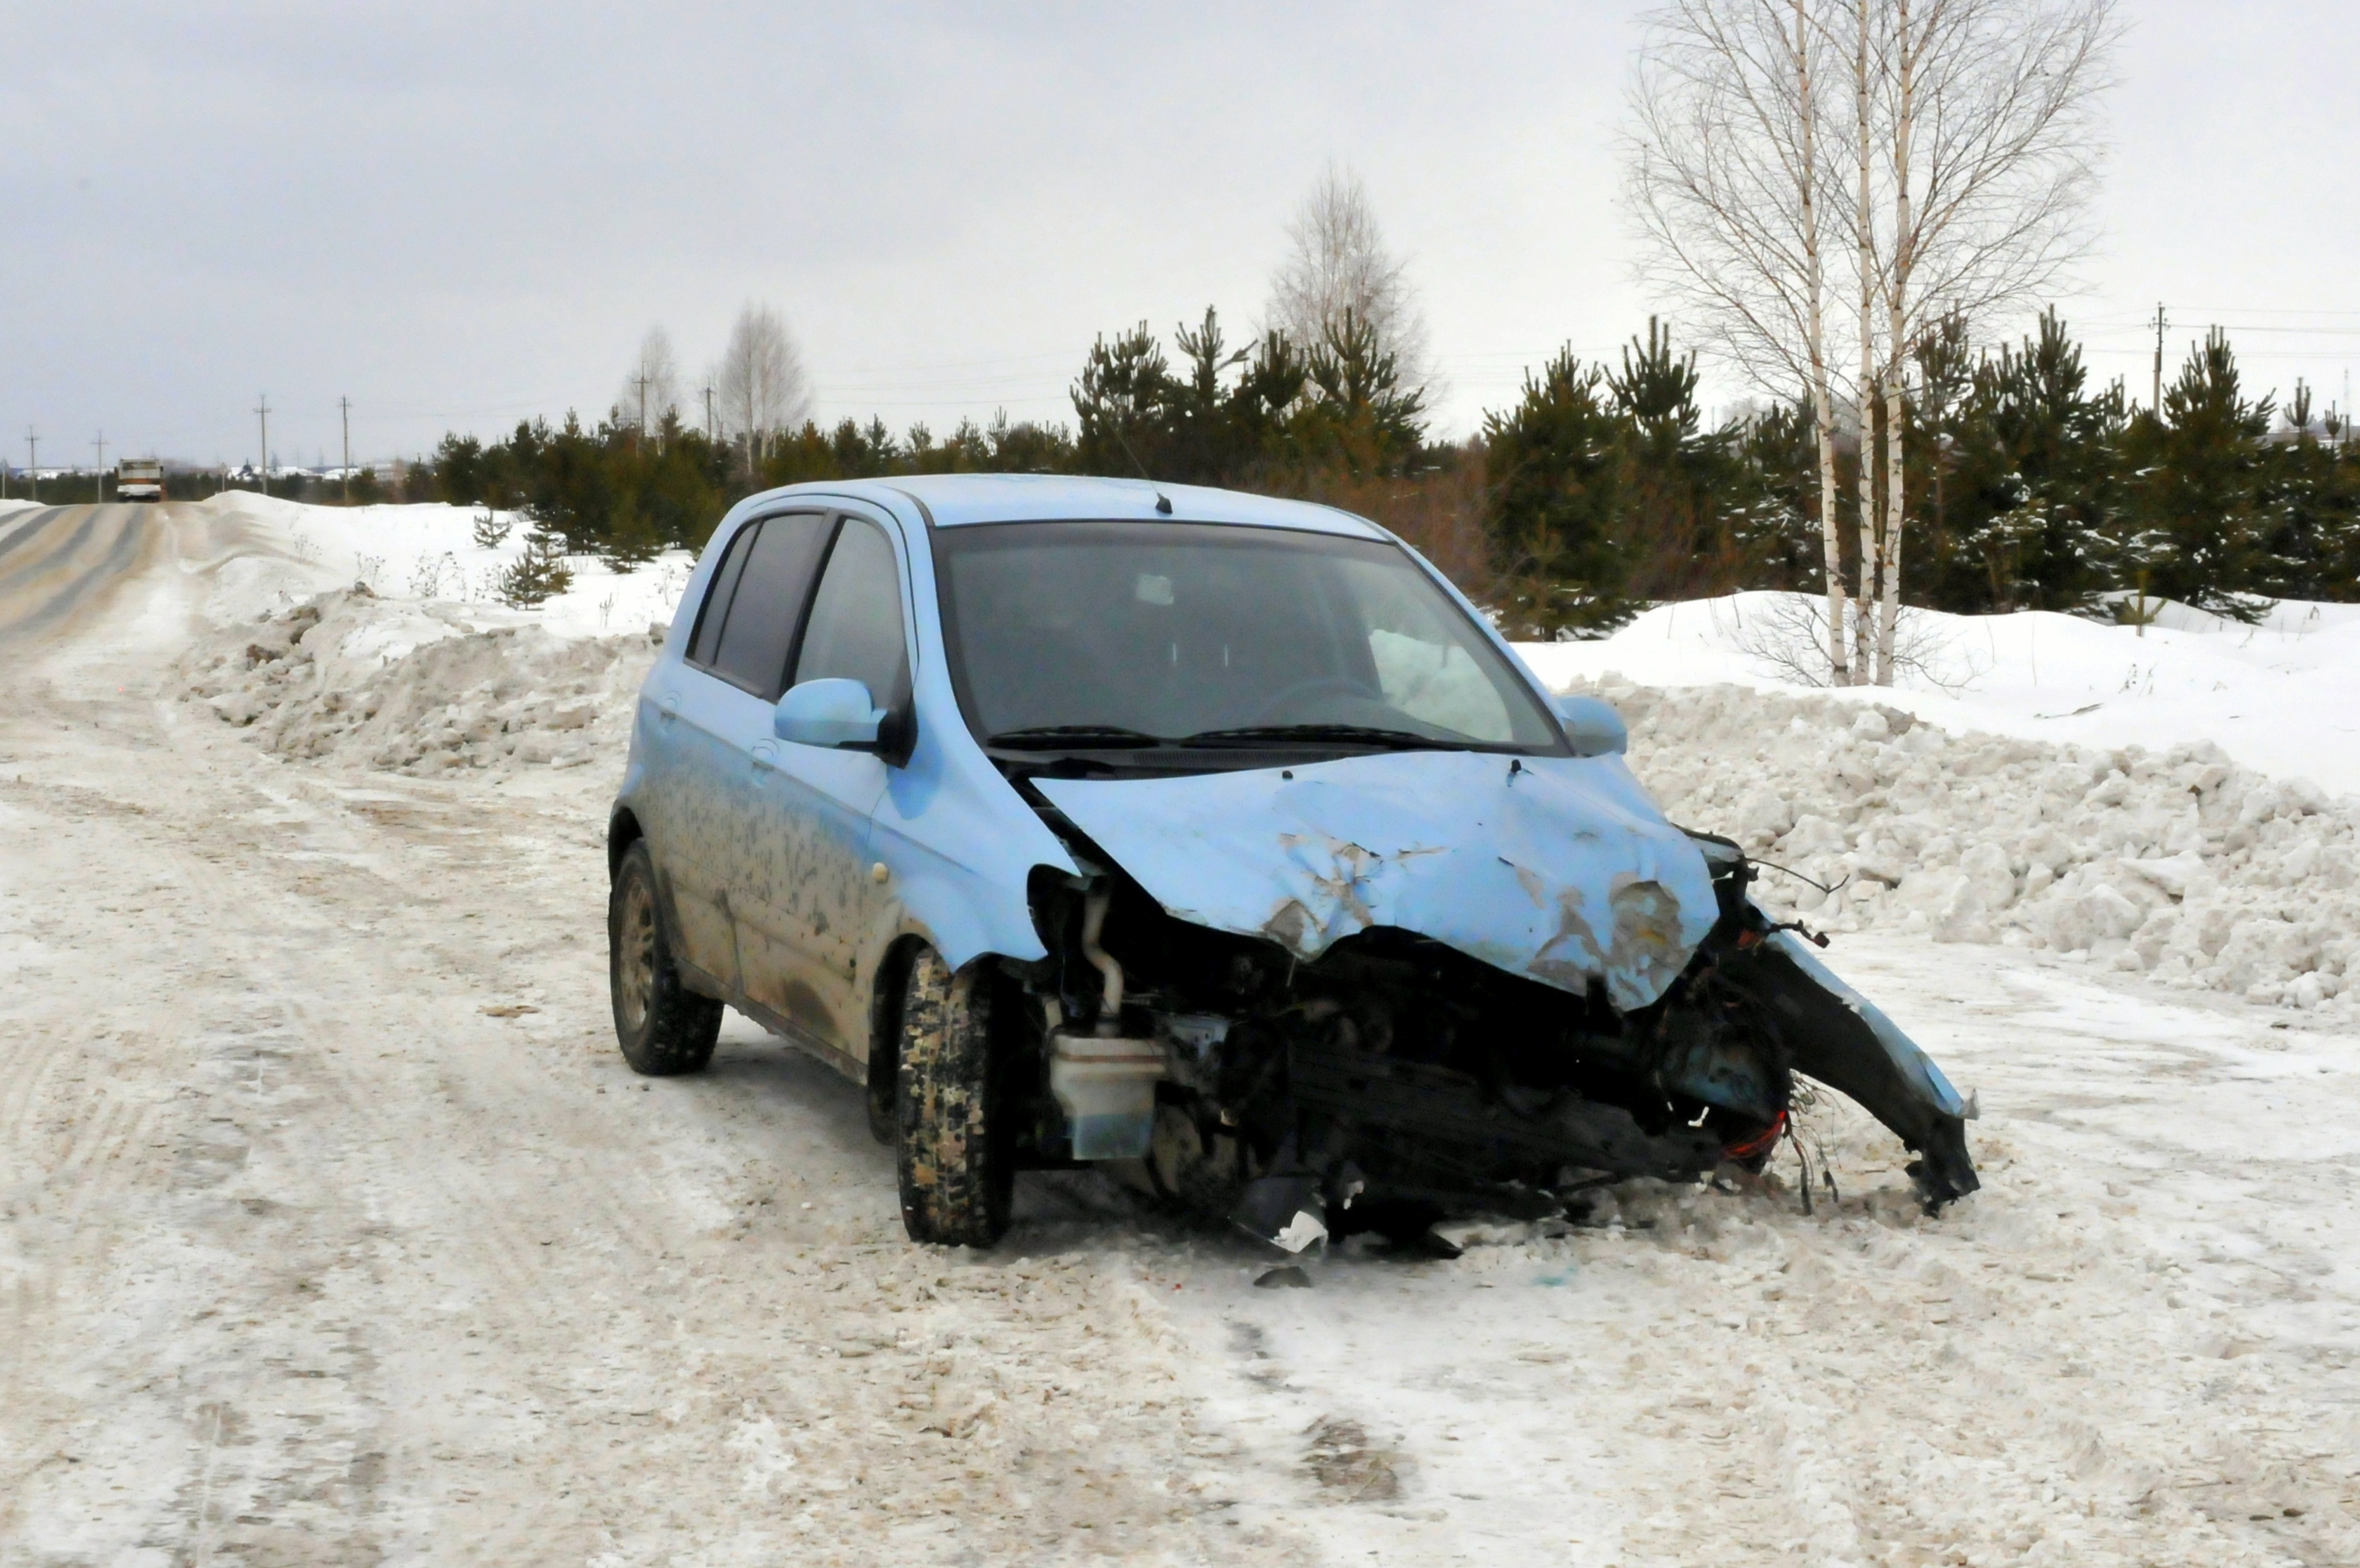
column 1726, row 182
column 1337, row 261
column 1974, row 148
column 1864, row 226
column 759, row 384
column 1989, row 111
column 652, row 387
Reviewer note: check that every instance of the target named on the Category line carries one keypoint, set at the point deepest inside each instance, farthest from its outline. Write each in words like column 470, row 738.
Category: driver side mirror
column 1592, row 726
column 831, row 712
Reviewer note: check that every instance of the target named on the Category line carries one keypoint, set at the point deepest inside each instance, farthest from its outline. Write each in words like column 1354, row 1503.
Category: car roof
column 958, row 500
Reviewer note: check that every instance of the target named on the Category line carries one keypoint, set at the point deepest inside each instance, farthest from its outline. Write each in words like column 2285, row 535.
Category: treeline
column 1600, row 489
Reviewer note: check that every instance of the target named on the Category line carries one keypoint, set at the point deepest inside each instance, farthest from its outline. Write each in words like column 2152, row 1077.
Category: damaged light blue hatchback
column 1093, row 819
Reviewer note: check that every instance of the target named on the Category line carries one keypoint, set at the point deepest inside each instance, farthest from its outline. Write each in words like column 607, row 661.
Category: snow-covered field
column 2280, row 698
column 333, row 1228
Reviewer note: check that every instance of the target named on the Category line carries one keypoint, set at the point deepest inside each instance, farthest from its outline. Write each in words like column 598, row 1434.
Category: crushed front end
column 1393, row 1078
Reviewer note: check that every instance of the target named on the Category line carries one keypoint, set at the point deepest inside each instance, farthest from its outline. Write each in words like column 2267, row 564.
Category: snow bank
column 2282, row 697
column 429, row 553
column 2173, row 861
column 2027, row 803
column 418, row 688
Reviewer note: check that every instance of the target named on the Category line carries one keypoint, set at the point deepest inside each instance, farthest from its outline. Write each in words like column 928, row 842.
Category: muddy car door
column 802, row 908
column 736, row 667
column 690, row 774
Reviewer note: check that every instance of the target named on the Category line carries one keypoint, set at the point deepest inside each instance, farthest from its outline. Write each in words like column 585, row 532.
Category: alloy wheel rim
column 636, row 960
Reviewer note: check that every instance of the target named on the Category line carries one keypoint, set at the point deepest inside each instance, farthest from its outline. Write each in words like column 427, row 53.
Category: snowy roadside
column 1946, row 813
column 2176, row 862
column 352, row 1227
column 417, row 688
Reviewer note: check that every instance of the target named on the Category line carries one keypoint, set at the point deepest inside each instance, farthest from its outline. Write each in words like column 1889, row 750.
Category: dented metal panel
column 1559, row 868
column 1911, row 1063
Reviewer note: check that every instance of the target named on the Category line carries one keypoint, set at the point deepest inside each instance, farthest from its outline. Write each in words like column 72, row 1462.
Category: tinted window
column 856, row 622
column 717, row 598
column 1177, row 629
column 760, row 630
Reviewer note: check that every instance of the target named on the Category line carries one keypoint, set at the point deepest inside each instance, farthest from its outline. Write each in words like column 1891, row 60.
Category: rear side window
column 856, row 622
column 717, row 598
column 766, row 601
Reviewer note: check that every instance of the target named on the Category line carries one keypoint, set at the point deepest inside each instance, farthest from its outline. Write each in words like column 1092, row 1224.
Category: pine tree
column 2200, row 473
column 1555, row 472
column 2311, row 513
column 1362, row 415
column 537, row 575
column 2033, row 456
column 1677, row 477
column 1773, row 495
column 1124, row 403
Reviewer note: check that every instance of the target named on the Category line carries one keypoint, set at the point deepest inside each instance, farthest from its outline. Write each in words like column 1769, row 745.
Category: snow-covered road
column 332, row 1229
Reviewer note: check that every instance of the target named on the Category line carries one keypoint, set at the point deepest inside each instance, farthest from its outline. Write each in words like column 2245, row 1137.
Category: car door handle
column 670, row 707
column 766, row 756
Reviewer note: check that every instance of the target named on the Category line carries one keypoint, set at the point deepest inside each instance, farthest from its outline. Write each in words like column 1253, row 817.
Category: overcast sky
column 462, row 215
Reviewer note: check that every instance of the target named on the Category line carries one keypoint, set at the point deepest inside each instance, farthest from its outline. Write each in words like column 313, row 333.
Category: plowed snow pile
column 2175, row 861
column 2206, row 874
column 417, row 688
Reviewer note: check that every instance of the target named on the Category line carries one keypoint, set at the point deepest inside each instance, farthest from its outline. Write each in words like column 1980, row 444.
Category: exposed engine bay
column 1394, row 1080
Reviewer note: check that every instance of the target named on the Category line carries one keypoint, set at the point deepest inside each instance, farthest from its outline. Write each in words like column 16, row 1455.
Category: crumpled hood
column 1561, row 869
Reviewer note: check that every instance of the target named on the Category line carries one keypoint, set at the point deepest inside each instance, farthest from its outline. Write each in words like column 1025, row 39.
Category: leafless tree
column 1989, row 111
column 652, row 387
column 1729, row 190
column 1336, row 261
column 760, row 385
column 1974, row 148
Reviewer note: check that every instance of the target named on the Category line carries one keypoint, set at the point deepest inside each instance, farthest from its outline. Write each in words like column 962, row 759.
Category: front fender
column 961, row 918
column 1842, row 1039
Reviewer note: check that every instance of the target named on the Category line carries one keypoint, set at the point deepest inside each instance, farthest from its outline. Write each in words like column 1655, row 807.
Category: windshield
column 1144, row 634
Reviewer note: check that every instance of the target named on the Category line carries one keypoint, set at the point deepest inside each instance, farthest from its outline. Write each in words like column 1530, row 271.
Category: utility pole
column 346, row 403
column 98, row 480
column 708, row 414
column 33, row 463
column 640, row 381
column 2157, row 404
column 262, row 409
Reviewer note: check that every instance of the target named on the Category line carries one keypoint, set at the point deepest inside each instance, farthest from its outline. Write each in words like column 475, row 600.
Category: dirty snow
column 1972, row 814
column 415, row 688
column 333, row 1228
column 2174, row 862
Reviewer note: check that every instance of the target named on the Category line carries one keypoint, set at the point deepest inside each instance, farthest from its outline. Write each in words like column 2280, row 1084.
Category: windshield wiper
column 1358, row 734
column 1049, row 738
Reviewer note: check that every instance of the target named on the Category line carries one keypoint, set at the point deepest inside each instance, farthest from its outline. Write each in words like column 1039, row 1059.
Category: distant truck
column 139, row 479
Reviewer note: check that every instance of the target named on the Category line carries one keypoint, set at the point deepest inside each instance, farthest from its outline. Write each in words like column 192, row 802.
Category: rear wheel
column 662, row 1026
column 952, row 1154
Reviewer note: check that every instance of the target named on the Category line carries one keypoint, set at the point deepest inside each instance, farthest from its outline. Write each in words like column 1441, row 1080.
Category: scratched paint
column 1561, row 870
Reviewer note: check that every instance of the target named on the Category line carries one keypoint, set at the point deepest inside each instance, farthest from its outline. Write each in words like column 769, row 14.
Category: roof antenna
column 1164, row 503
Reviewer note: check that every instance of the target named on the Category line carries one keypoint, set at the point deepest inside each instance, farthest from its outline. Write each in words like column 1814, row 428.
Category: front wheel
column 662, row 1026
column 952, row 1153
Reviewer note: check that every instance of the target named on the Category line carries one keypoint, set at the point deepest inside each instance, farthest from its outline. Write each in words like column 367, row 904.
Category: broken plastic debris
column 1301, row 1231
